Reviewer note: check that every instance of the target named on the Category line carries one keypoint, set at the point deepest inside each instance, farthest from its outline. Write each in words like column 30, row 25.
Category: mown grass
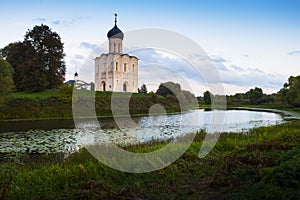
column 263, row 164
column 33, row 95
column 56, row 93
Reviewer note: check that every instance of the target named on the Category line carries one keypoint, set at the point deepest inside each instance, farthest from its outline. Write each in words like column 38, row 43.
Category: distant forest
column 288, row 96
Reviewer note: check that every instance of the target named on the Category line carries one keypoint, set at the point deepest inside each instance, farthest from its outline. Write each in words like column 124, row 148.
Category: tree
column 66, row 92
column 292, row 94
column 143, row 89
column 168, row 88
column 207, row 96
column 33, row 77
column 255, row 95
column 6, row 79
column 37, row 61
column 49, row 50
column 15, row 54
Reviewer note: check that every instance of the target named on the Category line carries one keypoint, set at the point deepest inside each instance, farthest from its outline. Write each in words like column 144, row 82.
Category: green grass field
column 264, row 164
column 52, row 104
column 43, row 95
column 56, row 93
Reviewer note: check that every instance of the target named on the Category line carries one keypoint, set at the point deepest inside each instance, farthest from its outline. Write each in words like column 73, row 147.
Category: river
column 45, row 136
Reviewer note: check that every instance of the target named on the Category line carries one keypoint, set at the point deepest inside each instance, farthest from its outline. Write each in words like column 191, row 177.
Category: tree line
column 171, row 89
column 288, row 96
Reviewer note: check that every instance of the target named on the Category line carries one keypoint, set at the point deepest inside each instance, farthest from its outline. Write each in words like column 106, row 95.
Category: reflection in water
column 142, row 129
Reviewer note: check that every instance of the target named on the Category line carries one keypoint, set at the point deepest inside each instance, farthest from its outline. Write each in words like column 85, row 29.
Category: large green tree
column 6, row 79
column 38, row 61
column 173, row 90
column 168, row 88
column 255, row 95
column 290, row 93
column 49, row 50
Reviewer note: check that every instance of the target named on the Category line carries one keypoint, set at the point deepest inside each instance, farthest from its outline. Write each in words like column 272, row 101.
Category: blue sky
column 253, row 43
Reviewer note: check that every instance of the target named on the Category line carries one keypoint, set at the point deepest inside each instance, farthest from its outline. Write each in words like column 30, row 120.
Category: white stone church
column 115, row 71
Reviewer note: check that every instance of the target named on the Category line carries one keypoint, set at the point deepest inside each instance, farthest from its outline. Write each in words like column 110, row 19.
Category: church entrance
column 125, row 87
column 103, row 85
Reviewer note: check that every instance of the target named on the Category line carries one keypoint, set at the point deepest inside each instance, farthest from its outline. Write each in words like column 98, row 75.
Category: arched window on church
column 117, row 66
column 125, row 67
column 133, row 68
column 114, row 47
column 119, row 48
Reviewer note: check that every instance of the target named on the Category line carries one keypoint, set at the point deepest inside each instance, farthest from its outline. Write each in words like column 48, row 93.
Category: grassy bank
column 264, row 164
column 51, row 104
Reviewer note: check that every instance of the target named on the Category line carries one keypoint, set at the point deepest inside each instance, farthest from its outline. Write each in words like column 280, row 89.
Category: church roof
column 115, row 32
column 122, row 54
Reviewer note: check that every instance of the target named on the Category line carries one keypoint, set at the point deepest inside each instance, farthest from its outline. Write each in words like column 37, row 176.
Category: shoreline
column 286, row 114
column 88, row 117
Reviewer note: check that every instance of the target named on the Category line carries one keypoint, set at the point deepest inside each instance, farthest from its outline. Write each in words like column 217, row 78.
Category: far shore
column 286, row 114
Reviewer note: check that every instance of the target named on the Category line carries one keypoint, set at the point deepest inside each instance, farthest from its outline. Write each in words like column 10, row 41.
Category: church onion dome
column 115, row 32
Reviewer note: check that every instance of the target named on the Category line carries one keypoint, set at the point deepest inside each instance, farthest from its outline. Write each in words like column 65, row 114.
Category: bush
column 66, row 92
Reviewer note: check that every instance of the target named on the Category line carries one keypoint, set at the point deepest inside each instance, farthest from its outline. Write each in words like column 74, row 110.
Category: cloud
column 248, row 77
column 89, row 45
column 69, row 21
column 294, row 53
column 219, row 62
column 217, row 59
column 236, row 68
column 82, row 60
column 78, row 56
column 221, row 66
column 56, row 22
column 64, row 22
column 206, row 73
column 40, row 19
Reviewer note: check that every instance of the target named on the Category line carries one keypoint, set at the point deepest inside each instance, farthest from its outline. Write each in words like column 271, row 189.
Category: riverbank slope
column 52, row 104
column 264, row 164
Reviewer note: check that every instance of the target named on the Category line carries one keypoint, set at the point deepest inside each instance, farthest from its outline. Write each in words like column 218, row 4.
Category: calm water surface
column 62, row 136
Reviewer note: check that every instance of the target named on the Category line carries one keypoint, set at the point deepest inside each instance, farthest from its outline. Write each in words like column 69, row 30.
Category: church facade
column 115, row 71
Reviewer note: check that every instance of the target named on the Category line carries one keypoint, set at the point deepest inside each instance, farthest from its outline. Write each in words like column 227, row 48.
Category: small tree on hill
column 6, row 79
column 168, row 88
column 143, row 89
column 207, row 97
column 66, row 93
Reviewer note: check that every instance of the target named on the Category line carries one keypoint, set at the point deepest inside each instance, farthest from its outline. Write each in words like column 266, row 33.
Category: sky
column 251, row 43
